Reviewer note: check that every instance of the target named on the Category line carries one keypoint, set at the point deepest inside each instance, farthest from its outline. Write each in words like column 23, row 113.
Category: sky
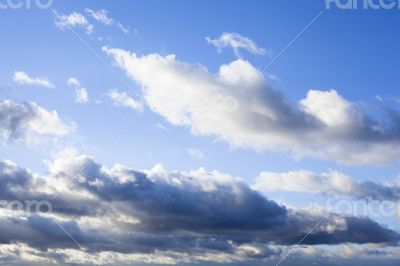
column 177, row 133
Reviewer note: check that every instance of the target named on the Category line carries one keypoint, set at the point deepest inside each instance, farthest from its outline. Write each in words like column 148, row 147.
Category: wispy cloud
column 195, row 153
column 122, row 99
column 236, row 42
column 74, row 19
column 22, row 78
column 73, row 82
column 101, row 16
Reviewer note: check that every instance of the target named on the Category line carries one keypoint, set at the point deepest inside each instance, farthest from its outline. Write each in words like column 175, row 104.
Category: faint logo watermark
column 364, row 207
column 363, row 4
column 27, row 207
column 25, row 4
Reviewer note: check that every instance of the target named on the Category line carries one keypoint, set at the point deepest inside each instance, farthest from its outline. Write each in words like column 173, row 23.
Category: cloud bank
column 183, row 216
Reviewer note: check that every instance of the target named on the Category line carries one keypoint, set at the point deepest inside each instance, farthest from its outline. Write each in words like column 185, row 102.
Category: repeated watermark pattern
column 28, row 207
column 25, row 4
column 366, row 207
column 362, row 4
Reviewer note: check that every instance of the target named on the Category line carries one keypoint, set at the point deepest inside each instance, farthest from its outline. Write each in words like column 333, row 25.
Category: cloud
column 18, row 120
column 304, row 181
column 331, row 108
column 236, row 42
column 72, row 20
column 73, row 82
column 195, row 153
column 194, row 212
column 122, row 99
column 20, row 254
column 175, row 217
column 22, row 78
column 102, row 17
column 322, row 125
column 26, row 121
column 331, row 183
column 81, row 94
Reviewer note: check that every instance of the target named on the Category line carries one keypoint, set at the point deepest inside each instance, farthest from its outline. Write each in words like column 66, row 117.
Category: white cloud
column 273, row 77
column 378, row 98
column 102, row 17
column 236, row 42
column 196, row 153
column 81, row 94
column 162, row 127
column 331, row 183
column 27, row 122
column 73, row 82
column 323, row 125
column 125, row 29
column 304, row 181
column 72, row 20
column 122, row 99
column 331, row 108
column 22, row 78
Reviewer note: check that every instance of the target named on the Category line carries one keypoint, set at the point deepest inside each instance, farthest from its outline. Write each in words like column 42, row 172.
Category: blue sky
column 343, row 51
column 349, row 58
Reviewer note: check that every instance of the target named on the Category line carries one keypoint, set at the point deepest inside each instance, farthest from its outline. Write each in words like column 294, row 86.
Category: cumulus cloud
column 72, row 20
column 22, row 78
column 102, row 17
column 236, row 42
column 322, row 125
column 330, row 183
column 122, row 99
column 81, row 94
column 26, row 121
column 187, row 216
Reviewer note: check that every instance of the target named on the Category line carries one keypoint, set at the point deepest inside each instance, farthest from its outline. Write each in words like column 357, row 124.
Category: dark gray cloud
column 195, row 206
column 145, row 212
